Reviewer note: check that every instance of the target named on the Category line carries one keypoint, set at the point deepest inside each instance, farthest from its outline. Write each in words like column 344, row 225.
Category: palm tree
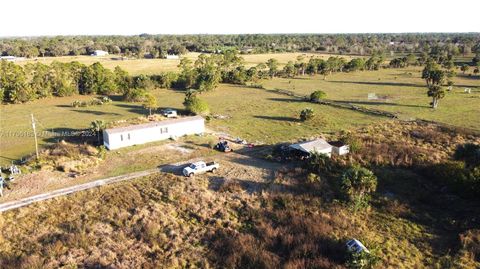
column 98, row 126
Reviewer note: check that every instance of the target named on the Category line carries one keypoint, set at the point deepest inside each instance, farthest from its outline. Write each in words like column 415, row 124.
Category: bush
column 317, row 95
column 78, row 103
column 319, row 162
column 306, row 114
column 95, row 102
column 135, row 95
column 355, row 144
column 361, row 260
column 357, row 185
column 196, row 106
column 470, row 153
column 466, row 182
column 257, row 86
column 105, row 100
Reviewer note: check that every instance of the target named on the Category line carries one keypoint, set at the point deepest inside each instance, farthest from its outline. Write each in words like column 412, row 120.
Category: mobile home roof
column 151, row 125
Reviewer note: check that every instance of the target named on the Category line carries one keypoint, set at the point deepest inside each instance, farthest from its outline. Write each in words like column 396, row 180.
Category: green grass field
column 404, row 89
column 259, row 115
column 253, row 114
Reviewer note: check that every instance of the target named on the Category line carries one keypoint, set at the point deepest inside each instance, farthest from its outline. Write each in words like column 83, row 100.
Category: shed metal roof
column 152, row 124
column 318, row 145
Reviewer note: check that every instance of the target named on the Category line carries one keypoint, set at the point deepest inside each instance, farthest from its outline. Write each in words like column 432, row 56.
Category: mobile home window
column 121, row 137
column 164, row 130
column 128, row 136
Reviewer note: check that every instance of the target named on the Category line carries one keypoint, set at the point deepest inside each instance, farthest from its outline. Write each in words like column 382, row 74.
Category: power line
column 35, row 135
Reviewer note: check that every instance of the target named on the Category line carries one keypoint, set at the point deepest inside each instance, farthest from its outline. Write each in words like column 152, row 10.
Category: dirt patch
column 178, row 147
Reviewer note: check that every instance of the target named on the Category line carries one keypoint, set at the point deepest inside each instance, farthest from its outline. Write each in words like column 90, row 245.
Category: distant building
column 322, row 146
column 120, row 137
column 11, row 58
column 172, row 57
column 99, row 53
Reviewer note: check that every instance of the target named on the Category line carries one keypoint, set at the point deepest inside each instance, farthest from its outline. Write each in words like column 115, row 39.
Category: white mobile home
column 153, row 131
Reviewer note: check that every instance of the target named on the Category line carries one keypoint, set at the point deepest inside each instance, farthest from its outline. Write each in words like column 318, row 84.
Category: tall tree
column 150, row 102
column 437, row 92
column 272, row 65
column 434, row 77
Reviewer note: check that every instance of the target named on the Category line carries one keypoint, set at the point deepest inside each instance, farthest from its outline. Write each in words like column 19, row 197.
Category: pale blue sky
column 122, row 17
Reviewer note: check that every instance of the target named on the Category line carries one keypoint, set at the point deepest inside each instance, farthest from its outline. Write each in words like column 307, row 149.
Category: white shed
column 322, row 146
column 153, row 131
column 99, row 53
column 318, row 145
column 339, row 148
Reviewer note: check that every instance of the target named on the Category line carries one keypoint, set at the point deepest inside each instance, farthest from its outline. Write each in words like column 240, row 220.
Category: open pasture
column 257, row 114
column 402, row 91
column 156, row 66
column 254, row 114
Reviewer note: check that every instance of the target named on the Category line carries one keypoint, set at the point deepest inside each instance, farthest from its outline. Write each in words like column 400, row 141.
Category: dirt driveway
column 243, row 168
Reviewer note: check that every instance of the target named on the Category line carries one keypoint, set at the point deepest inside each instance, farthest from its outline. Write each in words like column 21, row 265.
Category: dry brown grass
column 407, row 143
column 66, row 157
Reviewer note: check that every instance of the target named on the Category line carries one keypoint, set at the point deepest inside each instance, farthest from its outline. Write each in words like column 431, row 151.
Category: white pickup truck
column 199, row 168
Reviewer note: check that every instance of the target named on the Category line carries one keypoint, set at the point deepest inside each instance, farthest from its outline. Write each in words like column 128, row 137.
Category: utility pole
column 35, row 135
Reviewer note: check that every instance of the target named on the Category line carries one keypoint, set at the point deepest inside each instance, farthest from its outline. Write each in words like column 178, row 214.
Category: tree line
column 36, row 80
column 157, row 46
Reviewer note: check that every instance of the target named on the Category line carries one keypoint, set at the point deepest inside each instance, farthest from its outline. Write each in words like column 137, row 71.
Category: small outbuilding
column 120, row 137
column 172, row 57
column 339, row 148
column 355, row 246
column 322, row 146
column 318, row 145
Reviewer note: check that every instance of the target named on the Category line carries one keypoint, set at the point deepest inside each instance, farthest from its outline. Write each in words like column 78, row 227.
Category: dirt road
column 235, row 165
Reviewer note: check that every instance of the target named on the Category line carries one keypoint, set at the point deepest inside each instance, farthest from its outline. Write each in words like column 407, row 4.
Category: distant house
column 11, row 58
column 8, row 58
column 321, row 146
column 99, row 53
column 172, row 57
column 120, row 137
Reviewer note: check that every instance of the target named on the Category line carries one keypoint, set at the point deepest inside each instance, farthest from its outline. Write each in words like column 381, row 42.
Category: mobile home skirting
column 150, row 132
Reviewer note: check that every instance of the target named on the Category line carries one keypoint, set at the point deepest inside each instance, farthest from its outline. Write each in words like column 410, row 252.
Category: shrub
column 306, row 114
column 470, row 153
column 361, row 260
column 357, row 185
column 95, row 102
column 319, row 162
column 355, row 144
column 196, row 106
column 317, row 95
column 105, row 100
column 466, row 182
column 257, row 86
column 77, row 103
column 135, row 95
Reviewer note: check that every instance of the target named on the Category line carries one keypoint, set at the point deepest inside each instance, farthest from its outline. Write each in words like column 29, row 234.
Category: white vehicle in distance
column 200, row 168
column 169, row 113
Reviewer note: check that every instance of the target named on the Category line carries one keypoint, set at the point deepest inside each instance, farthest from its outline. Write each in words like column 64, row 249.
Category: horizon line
column 226, row 34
